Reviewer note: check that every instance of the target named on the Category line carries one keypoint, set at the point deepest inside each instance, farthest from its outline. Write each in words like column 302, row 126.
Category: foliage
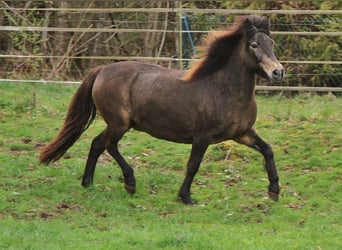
column 45, row 207
column 25, row 44
column 310, row 48
column 291, row 47
column 69, row 54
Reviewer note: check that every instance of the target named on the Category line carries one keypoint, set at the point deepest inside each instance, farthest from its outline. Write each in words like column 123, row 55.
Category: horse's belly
column 166, row 133
column 168, row 126
column 182, row 135
column 184, row 126
column 235, row 130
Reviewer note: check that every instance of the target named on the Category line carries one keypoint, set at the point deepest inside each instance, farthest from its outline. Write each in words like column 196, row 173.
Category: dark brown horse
column 212, row 102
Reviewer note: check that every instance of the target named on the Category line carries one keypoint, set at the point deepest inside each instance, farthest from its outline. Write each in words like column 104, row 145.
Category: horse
column 211, row 102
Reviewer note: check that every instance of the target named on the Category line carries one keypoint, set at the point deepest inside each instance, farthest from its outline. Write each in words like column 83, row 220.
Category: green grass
column 45, row 207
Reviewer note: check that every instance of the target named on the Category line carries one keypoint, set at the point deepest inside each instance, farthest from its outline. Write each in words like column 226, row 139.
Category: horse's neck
column 236, row 79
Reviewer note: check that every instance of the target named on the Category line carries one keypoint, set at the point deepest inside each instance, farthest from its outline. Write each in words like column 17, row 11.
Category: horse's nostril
column 277, row 74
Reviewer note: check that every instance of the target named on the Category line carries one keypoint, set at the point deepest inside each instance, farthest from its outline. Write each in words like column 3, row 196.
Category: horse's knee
column 268, row 152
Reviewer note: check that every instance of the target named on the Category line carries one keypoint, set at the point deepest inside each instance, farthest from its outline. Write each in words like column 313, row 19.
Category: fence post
column 180, row 37
column 187, row 40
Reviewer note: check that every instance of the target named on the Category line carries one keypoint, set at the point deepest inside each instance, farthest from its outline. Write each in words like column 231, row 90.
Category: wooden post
column 180, row 37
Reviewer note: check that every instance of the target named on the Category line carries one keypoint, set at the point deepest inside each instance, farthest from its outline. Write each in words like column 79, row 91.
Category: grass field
column 45, row 207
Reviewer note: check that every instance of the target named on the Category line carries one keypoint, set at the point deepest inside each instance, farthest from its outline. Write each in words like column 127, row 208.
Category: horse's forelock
column 254, row 24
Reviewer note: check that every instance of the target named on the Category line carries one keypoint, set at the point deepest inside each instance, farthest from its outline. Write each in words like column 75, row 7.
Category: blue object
column 187, row 40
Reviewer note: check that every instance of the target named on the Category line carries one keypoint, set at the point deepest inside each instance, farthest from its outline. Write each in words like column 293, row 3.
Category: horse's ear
column 268, row 19
column 249, row 25
column 247, row 22
column 267, row 25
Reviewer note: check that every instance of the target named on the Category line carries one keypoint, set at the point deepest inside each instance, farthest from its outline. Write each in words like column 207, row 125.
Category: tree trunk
column 44, row 40
column 151, row 40
column 62, row 22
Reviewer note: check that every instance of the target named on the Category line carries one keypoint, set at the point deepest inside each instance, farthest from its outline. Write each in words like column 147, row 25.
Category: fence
column 165, row 35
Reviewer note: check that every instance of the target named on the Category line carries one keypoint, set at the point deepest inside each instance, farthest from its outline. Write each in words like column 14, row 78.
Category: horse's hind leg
column 127, row 170
column 116, row 134
column 108, row 139
column 252, row 139
column 96, row 149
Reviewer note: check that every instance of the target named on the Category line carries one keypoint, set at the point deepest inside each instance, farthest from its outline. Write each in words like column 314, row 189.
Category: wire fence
column 104, row 35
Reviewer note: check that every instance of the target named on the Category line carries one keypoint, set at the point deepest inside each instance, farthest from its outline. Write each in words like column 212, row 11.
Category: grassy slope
column 46, row 208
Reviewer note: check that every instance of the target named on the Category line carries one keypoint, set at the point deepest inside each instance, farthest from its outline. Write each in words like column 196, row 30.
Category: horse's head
column 259, row 49
column 251, row 35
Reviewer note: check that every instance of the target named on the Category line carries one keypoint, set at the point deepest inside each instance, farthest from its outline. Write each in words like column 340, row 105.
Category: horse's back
column 132, row 72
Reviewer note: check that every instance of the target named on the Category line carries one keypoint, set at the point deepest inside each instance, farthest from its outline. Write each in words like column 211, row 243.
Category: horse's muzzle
column 271, row 69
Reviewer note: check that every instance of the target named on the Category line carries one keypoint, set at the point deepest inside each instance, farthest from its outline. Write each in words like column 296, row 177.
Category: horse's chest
column 233, row 123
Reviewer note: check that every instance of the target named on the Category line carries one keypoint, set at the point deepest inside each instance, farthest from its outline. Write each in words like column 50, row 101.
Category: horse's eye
column 254, row 45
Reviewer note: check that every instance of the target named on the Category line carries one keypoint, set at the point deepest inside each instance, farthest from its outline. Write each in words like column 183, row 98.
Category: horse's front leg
column 252, row 139
column 197, row 152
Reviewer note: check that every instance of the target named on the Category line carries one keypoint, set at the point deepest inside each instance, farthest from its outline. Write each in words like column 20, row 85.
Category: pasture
column 45, row 207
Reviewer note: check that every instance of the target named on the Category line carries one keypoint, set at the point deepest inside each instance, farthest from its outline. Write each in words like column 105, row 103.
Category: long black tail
column 81, row 113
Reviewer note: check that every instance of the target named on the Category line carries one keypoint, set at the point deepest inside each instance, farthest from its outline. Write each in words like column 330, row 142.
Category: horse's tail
column 81, row 113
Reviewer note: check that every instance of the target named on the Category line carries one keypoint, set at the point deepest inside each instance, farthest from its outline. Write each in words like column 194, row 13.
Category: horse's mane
column 217, row 47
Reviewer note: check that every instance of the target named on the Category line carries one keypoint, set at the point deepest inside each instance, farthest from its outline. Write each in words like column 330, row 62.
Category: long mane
column 217, row 47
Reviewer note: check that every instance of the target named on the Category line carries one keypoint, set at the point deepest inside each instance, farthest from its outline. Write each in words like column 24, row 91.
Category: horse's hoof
column 187, row 201
column 190, row 203
column 87, row 182
column 273, row 196
column 130, row 188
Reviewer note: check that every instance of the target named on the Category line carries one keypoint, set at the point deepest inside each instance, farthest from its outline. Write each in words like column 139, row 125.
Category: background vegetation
column 45, row 207
column 66, row 55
